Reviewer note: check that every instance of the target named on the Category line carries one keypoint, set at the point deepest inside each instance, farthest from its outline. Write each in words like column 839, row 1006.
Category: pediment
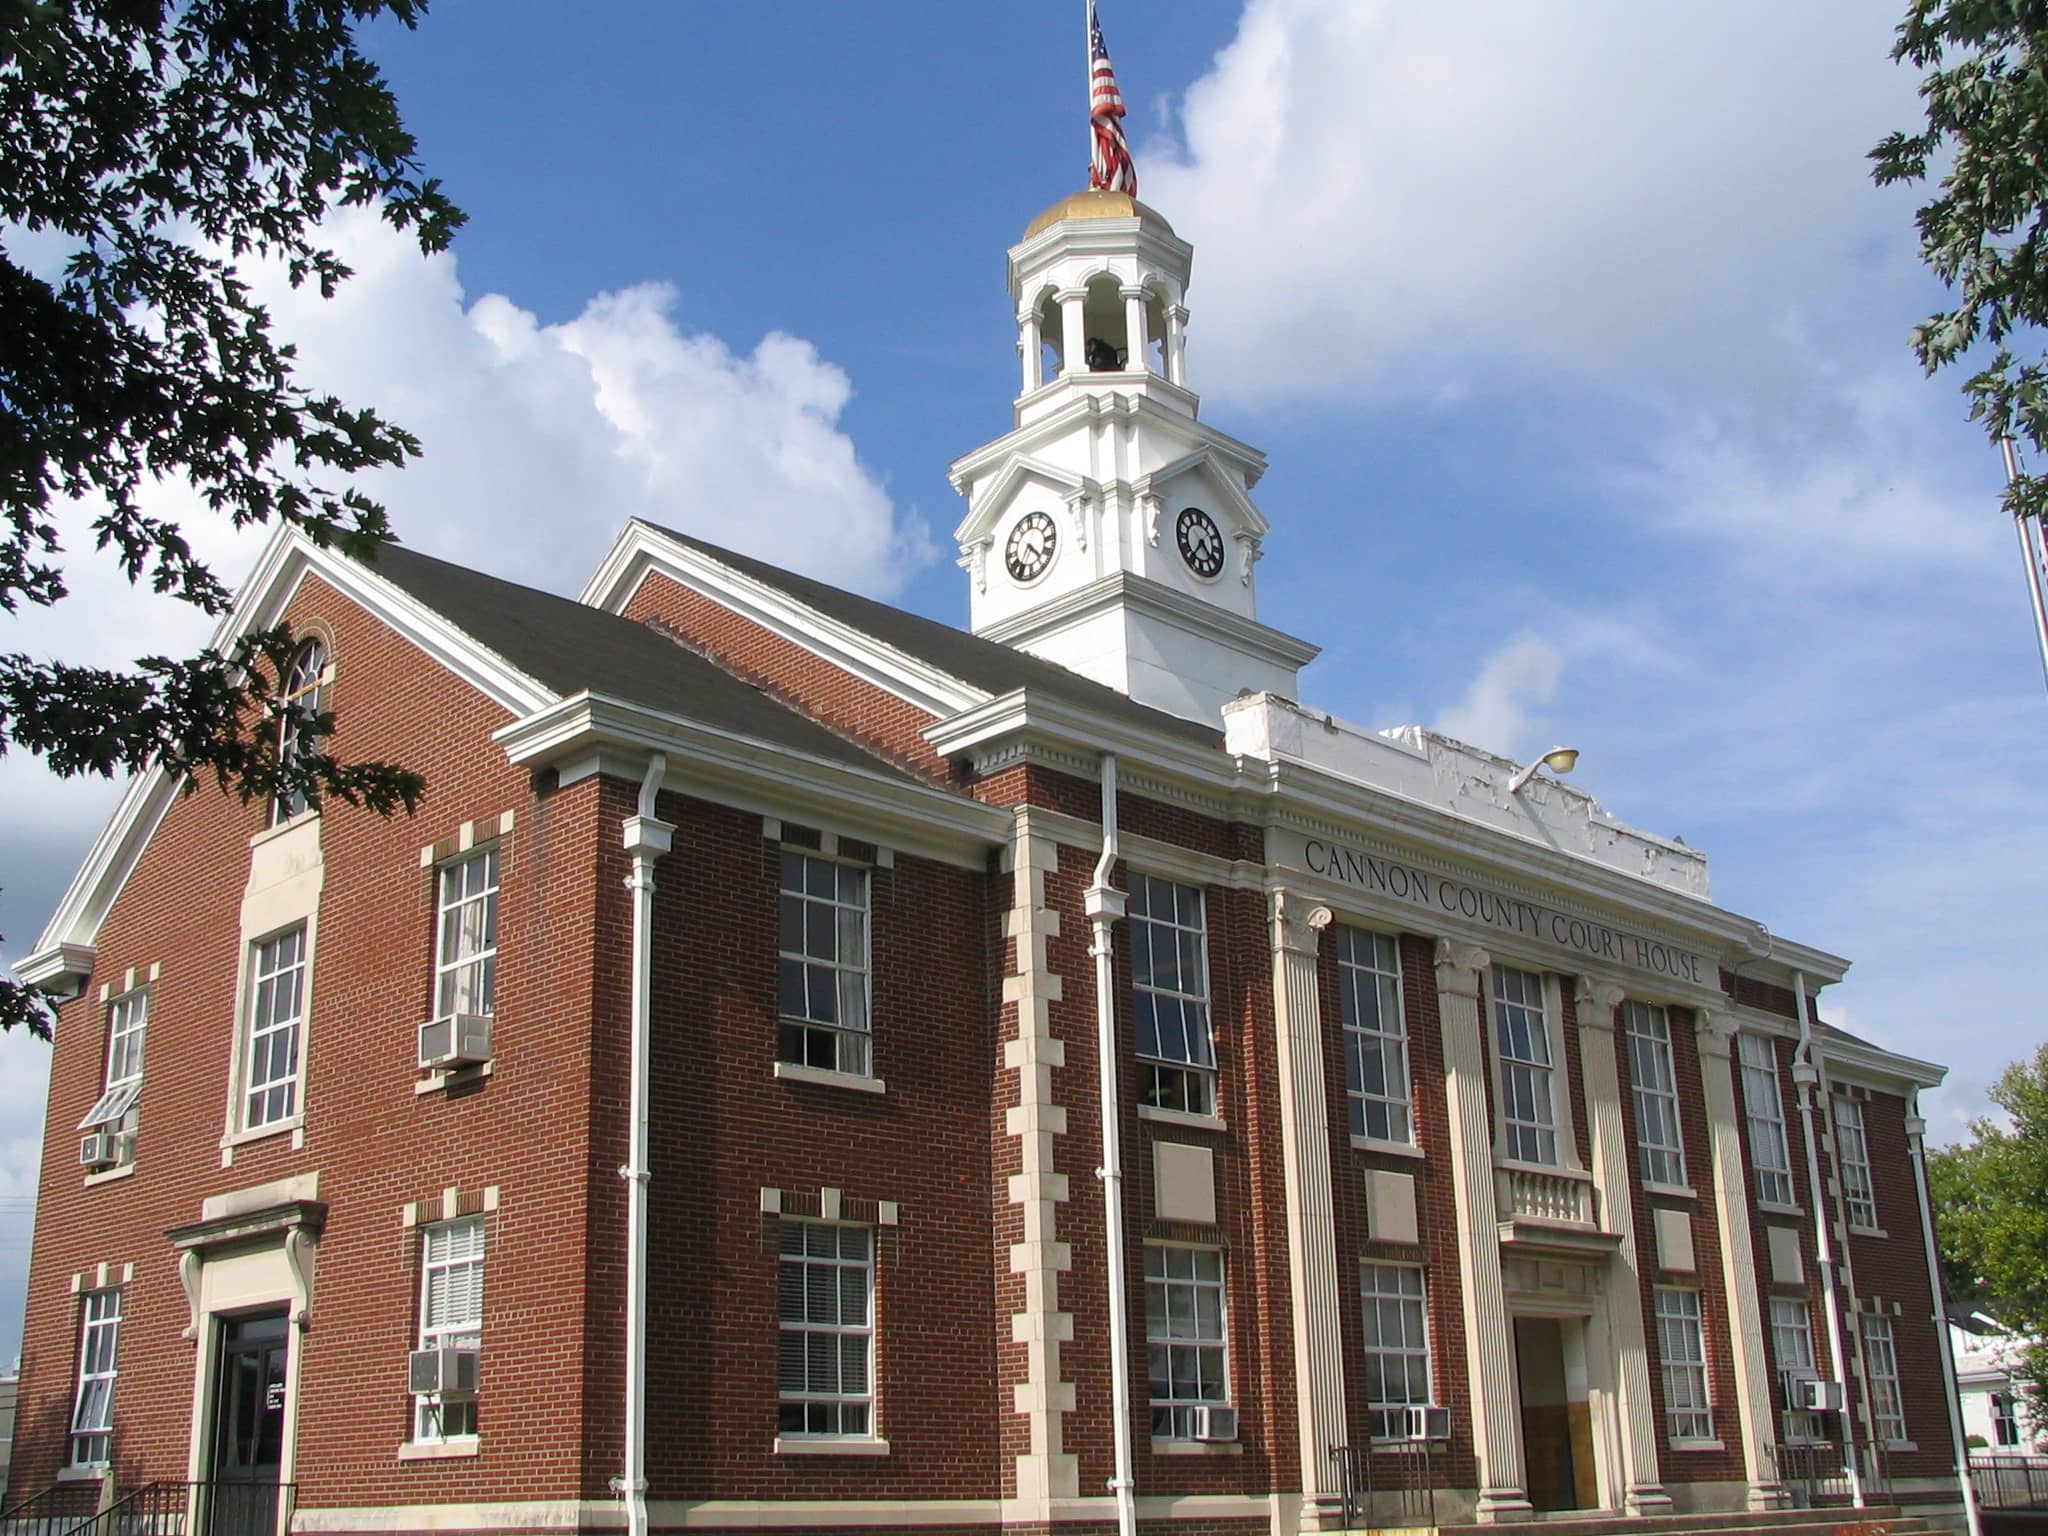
column 1223, row 487
column 992, row 500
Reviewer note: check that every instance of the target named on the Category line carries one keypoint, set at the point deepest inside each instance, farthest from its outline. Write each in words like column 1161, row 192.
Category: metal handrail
column 1400, row 1473
column 2010, row 1480
column 163, row 1508
column 44, row 1514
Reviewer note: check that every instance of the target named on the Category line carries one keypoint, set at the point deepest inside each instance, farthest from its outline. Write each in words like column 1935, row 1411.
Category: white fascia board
column 1874, row 1067
column 288, row 557
column 1024, row 716
column 756, row 775
column 643, row 549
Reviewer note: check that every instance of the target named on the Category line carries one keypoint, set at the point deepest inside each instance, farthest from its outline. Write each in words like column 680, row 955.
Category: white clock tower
column 1109, row 529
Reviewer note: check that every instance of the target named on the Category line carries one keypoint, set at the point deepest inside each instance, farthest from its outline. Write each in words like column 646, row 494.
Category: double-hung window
column 826, row 1369
column 1522, row 1038
column 272, row 1046
column 2005, row 1420
column 1656, row 1093
column 1792, row 1341
column 1852, row 1152
column 302, row 698
column 824, row 964
column 451, row 1317
column 466, row 957
column 1170, row 994
column 1396, row 1349
column 1682, row 1349
column 1187, row 1350
column 1770, row 1154
column 1887, row 1407
column 92, row 1419
column 116, row 1109
column 1375, row 1035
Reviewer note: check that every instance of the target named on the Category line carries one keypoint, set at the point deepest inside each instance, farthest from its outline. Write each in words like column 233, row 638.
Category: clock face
column 1201, row 541
column 1031, row 546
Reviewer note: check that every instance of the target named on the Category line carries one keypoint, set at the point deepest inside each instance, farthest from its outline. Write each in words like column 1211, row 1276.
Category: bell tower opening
column 1105, row 323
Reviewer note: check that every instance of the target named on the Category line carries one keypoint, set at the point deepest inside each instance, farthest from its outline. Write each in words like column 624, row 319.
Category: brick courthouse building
column 699, row 1113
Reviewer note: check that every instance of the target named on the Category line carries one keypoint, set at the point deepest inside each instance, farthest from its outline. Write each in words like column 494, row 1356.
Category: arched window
column 302, row 695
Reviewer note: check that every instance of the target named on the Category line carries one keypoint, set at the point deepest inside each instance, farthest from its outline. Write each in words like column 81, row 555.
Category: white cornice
column 287, row 559
column 1141, row 594
column 642, row 549
column 1060, row 423
column 756, row 775
column 1873, row 1066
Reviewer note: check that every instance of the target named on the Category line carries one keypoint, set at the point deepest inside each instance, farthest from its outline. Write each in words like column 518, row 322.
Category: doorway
column 1557, row 1422
column 248, row 1425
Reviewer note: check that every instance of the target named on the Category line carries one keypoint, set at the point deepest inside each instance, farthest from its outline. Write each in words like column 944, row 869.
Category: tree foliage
column 1991, row 1203
column 1985, row 231
column 155, row 144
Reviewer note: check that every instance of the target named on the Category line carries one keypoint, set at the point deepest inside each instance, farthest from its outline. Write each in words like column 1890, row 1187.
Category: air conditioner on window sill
column 1214, row 1423
column 103, row 1149
column 1422, row 1421
column 450, row 1372
column 1809, row 1394
column 455, row 1040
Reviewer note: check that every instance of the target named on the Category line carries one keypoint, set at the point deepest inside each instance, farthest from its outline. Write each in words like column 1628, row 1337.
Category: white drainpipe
column 1105, row 905
column 1916, row 1134
column 1806, row 1073
column 647, row 839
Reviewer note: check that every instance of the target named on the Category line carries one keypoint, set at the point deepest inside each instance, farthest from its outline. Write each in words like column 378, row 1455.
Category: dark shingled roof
column 985, row 664
column 570, row 646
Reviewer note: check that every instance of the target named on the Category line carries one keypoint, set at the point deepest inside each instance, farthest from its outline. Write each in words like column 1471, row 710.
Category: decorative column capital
column 1297, row 926
column 1715, row 1030
column 1458, row 965
column 1177, row 313
column 1071, row 295
column 1596, row 999
column 1134, row 292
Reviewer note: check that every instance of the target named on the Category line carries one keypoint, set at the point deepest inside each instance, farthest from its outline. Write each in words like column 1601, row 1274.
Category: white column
column 1753, row 1395
column 1311, row 1207
column 1073, row 343
column 1489, row 1341
column 1135, row 338
column 1176, row 345
column 1030, row 344
column 1623, row 1295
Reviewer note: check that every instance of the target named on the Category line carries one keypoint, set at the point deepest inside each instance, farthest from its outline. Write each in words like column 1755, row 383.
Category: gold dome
column 1095, row 204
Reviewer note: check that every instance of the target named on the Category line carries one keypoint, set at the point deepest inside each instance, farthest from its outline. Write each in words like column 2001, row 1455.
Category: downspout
column 1105, row 905
column 1916, row 1134
column 1806, row 1073
column 647, row 839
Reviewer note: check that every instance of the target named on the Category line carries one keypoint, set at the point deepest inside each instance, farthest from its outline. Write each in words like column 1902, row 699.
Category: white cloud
column 1370, row 182
column 1497, row 711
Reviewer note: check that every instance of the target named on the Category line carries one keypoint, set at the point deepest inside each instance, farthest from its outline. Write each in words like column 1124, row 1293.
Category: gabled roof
column 986, row 665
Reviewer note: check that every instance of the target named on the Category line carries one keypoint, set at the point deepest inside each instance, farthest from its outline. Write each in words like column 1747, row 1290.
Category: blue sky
column 1579, row 352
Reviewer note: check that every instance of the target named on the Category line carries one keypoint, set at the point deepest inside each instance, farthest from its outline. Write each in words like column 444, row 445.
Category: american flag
column 1109, row 168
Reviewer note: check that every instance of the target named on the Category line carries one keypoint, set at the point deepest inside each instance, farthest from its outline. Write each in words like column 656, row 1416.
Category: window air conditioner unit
column 102, row 1149
column 455, row 1040
column 1422, row 1421
column 450, row 1372
column 1816, row 1396
column 1214, row 1422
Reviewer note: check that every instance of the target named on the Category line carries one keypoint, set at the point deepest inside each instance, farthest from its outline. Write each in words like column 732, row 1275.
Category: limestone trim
column 1047, row 1471
column 1489, row 1342
column 1597, row 998
column 1297, row 927
column 1753, row 1396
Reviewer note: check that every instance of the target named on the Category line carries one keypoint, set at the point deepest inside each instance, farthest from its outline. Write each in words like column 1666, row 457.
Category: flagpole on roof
column 1088, row 77
column 2030, row 555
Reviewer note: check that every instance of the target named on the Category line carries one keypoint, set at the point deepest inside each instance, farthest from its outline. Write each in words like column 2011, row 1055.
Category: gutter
column 647, row 838
column 1105, row 905
column 1807, row 1075
column 1916, row 1140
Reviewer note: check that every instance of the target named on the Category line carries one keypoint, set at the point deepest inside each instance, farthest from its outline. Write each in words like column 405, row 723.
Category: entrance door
column 248, row 1426
column 1546, row 1414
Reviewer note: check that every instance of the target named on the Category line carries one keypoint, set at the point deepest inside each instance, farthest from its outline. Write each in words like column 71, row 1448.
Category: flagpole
column 1088, row 77
column 2031, row 557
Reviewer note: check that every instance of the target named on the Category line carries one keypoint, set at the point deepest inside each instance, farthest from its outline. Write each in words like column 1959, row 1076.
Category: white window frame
column 1527, row 1084
column 2005, row 1420
column 1409, row 1309
column 1653, row 1076
column 824, row 1412
column 249, row 1087
column 447, row 1248
column 1208, row 1349
column 1887, row 1400
column 302, row 695
column 1682, row 1355
column 1763, row 1107
column 466, row 934
column 1185, row 1082
column 127, row 1033
column 807, row 976
column 99, row 1344
column 1852, row 1163
column 1792, row 1344
column 1375, row 1036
